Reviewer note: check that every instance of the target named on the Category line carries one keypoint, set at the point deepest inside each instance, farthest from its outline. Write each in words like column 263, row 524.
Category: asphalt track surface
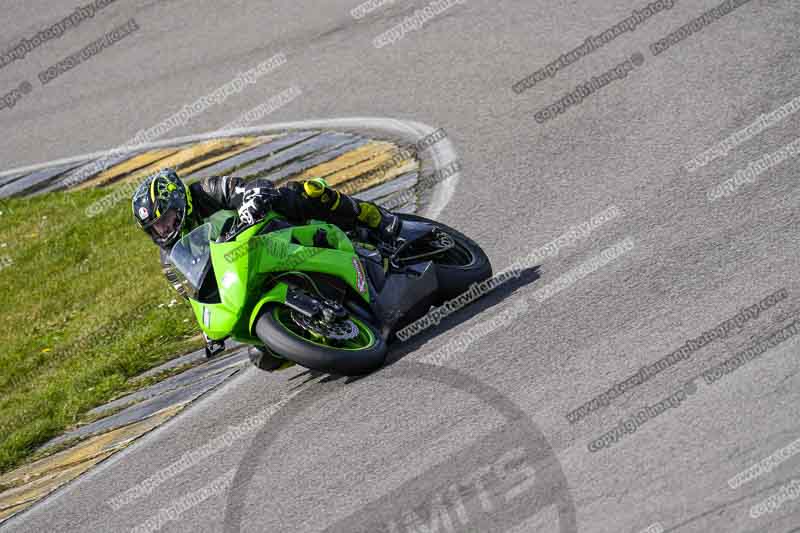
column 479, row 442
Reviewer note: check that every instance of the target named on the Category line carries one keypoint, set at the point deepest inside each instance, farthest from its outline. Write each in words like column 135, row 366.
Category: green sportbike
column 318, row 296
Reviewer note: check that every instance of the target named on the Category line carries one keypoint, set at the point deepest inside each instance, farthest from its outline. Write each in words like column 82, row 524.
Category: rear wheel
column 349, row 346
column 463, row 264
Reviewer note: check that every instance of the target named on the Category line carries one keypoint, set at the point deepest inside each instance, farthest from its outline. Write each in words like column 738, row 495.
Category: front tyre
column 286, row 333
column 461, row 266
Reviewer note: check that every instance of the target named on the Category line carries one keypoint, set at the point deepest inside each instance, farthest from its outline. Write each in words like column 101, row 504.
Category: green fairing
column 242, row 266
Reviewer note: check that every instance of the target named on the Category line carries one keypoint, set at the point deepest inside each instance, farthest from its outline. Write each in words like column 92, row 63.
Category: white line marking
column 442, row 153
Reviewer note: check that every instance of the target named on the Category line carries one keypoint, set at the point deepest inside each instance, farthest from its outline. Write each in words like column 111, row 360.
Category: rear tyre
column 280, row 331
column 466, row 263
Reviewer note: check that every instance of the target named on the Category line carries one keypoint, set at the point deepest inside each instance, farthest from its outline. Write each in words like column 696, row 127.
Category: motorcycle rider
column 166, row 209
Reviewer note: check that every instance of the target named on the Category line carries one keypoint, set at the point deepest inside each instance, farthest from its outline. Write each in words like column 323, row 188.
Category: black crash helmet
column 161, row 205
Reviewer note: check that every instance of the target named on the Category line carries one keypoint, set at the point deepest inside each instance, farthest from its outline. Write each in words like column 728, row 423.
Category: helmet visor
column 166, row 228
column 167, row 224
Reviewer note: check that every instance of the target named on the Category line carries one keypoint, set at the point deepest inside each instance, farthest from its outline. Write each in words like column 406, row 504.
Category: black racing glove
column 256, row 203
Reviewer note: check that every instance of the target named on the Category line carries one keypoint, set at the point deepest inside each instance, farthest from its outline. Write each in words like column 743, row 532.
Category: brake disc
column 340, row 330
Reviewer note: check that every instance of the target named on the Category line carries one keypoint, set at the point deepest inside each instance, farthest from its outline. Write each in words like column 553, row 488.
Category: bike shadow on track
column 400, row 349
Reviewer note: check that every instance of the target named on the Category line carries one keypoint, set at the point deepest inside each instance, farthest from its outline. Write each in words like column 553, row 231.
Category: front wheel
column 459, row 267
column 347, row 347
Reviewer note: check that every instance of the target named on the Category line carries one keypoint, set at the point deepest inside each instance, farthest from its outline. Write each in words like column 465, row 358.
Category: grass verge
column 85, row 310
